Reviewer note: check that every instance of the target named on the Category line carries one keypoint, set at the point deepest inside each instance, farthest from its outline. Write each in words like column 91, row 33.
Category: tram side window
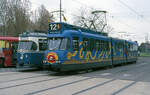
column 2, row 44
column 135, row 47
column 92, row 45
column 75, row 43
column 131, row 47
column 42, row 45
column 14, row 47
column 68, row 44
column 106, row 44
column 98, row 45
column 116, row 46
column 102, row 45
column 128, row 46
column 1, row 50
column 65, row 44
column 85, row 44
column 119, row 46
column 34, row 46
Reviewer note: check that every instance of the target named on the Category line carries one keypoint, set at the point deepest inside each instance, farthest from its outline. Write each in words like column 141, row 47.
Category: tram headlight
column 26, row 55
column 51, row 58
column 21, row 57
column 44, row 61
column 58, row 62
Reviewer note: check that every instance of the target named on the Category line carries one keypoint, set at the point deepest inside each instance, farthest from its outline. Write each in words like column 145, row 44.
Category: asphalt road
column 131, row 79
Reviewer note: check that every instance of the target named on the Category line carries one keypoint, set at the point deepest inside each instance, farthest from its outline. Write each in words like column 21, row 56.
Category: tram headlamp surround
column 51, row 57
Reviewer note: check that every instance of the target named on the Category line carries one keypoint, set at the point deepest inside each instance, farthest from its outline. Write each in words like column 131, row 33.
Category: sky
column 129, row 18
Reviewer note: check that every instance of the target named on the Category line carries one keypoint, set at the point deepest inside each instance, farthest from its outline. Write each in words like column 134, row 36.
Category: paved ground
column 133, row 79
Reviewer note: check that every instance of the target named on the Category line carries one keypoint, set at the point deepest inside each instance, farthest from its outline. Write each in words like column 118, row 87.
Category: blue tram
column 31, row 49
column 73, row 48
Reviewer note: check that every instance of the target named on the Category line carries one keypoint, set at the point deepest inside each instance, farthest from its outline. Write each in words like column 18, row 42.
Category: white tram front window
column 58, row 43
column 27, row 45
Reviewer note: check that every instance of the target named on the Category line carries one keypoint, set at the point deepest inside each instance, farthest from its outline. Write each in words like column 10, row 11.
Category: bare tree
column 3, row 17
column 42, row 18
column 14, row 16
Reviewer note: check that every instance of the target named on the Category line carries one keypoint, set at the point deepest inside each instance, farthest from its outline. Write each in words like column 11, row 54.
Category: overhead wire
column 120, row 21
column 134, row 11
column 123, row 23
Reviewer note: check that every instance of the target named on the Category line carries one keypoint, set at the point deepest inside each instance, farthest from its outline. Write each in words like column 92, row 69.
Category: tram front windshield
column 27, row 45
column 57, row 43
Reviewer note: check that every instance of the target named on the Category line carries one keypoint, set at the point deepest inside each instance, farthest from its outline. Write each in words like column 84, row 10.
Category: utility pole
column 146, row 43
column 60, row 10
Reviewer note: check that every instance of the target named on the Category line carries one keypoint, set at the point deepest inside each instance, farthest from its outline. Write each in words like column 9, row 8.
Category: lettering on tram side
column 87, row 56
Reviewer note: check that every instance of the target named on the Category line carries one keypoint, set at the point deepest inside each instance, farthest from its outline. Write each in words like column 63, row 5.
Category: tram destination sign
column 54, row 28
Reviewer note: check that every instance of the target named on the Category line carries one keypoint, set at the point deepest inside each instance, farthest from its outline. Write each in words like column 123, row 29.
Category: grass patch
column 145, row 54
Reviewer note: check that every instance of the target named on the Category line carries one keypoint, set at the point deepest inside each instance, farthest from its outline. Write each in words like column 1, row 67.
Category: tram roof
column 34, row 34
column 9, row 38
column 60, row 27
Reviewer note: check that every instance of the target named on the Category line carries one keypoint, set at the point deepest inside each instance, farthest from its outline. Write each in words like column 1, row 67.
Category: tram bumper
column 46, row 65
column 50, row 66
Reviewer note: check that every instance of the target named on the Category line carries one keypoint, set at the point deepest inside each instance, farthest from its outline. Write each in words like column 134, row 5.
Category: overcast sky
column 129, row 18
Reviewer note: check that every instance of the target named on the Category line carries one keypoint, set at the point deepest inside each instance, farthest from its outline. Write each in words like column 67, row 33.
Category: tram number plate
column 54, row 27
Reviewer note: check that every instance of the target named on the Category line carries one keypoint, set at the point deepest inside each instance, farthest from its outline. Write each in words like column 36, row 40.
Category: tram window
column 128, row 46
column 34, row 46
column 7, row 45
column 85, row 44
column 68, row 44
column 65, row 44
column 2, row 44
column 14, row 47
column 106, row 45
column 135, row 47
column 92, row 45
column 1, row 50
column 119, row 45
column 131, row 47
column 42, row 44
column 75, row 43
column 102, row 45
column 98, row 45
column 116, row 46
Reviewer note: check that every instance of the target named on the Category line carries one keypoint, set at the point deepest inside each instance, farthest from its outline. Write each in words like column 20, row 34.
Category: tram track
column 65, row 84
column 29, row 83
column 119, row 69
column 22, row 78
column 98, row 85
column 9, row 74
column 118, row 91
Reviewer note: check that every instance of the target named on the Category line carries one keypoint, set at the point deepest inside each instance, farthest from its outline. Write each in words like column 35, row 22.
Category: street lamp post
column 60, row 10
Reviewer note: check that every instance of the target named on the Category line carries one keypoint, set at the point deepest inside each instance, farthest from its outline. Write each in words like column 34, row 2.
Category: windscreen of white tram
column 57, row 43
column 27, row 46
